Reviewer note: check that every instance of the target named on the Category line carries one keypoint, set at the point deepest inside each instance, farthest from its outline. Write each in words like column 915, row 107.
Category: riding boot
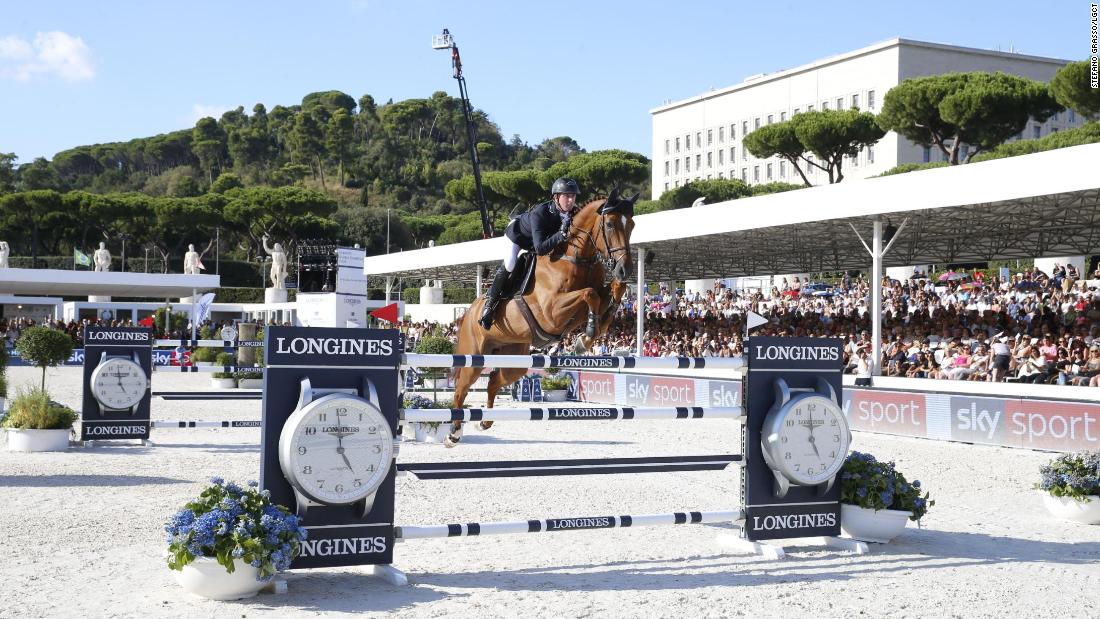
column 492, row 298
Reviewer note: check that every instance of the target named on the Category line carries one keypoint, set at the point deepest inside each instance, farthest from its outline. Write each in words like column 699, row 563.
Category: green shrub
column 44, row 347
column 224, row 358
column 554, row 383
column 914, row 167
column 33, row 410
column 1089, row 133
column 204, row 354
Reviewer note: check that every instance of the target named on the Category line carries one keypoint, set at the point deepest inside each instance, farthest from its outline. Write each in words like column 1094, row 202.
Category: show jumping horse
column 568, row 292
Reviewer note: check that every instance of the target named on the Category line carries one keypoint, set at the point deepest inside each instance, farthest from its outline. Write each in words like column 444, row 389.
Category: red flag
column 146, row 322
column 388, row 313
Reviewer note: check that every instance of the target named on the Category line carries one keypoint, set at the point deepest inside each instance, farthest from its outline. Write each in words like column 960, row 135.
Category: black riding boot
column 492, row 298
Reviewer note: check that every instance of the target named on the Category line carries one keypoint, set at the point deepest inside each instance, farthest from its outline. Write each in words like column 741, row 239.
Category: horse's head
column 616, row 222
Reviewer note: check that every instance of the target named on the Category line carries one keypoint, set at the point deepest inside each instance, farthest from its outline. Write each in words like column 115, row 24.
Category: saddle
column 519, row 284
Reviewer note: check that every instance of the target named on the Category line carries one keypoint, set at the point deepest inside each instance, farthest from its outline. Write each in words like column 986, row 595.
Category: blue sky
column 79, row 72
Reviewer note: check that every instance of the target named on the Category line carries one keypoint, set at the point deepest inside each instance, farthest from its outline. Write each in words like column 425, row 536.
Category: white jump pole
column 553, row 525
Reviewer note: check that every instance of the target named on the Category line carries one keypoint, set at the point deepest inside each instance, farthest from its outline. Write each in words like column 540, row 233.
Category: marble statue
column 102, row 258
column 5, row 251
column 278, row 264
column 191, row 261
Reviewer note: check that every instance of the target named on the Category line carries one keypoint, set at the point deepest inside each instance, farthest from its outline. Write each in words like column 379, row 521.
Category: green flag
column 81, row 258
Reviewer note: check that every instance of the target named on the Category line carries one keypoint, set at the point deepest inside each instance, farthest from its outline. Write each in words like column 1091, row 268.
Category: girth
column 539, row 337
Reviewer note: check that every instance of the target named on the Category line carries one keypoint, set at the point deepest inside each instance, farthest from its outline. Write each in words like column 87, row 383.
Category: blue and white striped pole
column 553, row 525
column 572, row 362
column 432, row 415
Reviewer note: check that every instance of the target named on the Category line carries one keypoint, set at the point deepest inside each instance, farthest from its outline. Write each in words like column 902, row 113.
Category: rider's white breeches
column 510, row 257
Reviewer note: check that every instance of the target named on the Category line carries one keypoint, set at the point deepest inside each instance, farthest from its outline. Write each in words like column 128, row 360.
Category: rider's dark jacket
column 538, row 229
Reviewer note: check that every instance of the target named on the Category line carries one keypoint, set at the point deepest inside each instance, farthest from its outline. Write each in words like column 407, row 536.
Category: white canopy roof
column 1046, row 204
column 58, row 282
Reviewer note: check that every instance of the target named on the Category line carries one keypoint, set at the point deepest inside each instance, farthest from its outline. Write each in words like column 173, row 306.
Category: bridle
column 607, row 257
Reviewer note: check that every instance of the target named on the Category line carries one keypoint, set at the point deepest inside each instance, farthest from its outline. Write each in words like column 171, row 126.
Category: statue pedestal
column 98, row 299
column 274, row 295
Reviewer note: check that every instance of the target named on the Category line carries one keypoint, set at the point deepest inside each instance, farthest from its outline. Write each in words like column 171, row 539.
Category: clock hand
column 340, row 450
column 812, row 442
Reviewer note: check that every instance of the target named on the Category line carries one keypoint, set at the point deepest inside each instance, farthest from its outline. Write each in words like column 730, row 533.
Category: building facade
column 701, row 137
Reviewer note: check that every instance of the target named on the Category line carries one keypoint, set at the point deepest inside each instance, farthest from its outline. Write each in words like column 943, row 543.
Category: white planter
column 38, row 440
column 204, row 364
column 555, row 395
column 1065, row 508
column 223, row 383
column 872, row 526
column 205, row 578
column 250, row 383
column 424, row 433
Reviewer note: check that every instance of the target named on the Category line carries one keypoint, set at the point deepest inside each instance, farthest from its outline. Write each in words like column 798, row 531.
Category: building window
column 810, row 164
column 710, row 136
column 733, row 132
column 721, row 134
column 870, row 155
column 677, row 183
column 677, row 144
column 666, row 147
column 782, row 117
column 927, row 155
column 768, row 172
column 839, row 103
column 710, row 163
column 944, row 157
column 698, row 162
column 756, row 123
column 756, row 174
column 744, row 128
column 810, row 107
column 871, row 99
column 824, row 105
column 745, row 174
column 733, row 156
column 782, row 169
column 687, row 142
column 796, row 111
column 666, row 186
column 963, row 151
column 687, row 165
column 1072, row 116
column 770, row 119
column 709, row 176
column 744, row 154
column 676, row 166
column 1036, row 131
column 721, row 155
column 666, row 168
column 721, row 175
column 1054, row 118
column 699, row 139
column 855, row 101
column 855, row 161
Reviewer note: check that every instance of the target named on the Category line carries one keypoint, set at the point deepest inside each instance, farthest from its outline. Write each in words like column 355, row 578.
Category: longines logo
column 114, row 430
column 343, row 546
column 798, row 353
column 340, row 429
column 577, row 523
column 793, row 521
column 333, row 346
column 116, row 336
column 584, row 413
column 581, row 362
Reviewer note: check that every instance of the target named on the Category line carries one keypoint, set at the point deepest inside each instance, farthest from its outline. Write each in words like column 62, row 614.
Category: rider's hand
column 565, row 223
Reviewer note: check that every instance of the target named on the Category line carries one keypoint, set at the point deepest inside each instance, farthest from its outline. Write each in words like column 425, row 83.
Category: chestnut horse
column 568, row 292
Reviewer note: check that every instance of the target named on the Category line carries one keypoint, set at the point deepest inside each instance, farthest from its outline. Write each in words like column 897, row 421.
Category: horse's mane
column 590, row 205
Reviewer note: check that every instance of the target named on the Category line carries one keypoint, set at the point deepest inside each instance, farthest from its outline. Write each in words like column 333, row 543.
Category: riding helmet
column 565, row 185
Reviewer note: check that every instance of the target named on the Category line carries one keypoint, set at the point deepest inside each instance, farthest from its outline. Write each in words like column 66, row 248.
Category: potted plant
column 252, row 378
column 227, row 544
column 435, row 344
column 1072, row 486
column 44, row 347
column 204, row 357
column 36, row 423
column 876, row 500
column 223, row 380
column 555, row 388
column 426, row 431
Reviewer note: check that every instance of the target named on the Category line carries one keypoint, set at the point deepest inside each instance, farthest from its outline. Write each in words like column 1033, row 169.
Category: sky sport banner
column 1007, row 422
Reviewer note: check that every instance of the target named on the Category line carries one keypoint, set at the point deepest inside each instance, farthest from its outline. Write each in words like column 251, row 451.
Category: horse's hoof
column 451, row 440
column 485, row 425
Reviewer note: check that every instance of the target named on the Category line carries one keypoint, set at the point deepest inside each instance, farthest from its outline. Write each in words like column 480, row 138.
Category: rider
column 540, row 230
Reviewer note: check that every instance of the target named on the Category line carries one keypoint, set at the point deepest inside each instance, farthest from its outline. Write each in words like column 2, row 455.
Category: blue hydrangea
column 217, row 481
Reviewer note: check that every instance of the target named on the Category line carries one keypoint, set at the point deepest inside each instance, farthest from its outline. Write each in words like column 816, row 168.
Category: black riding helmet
column 565, row 185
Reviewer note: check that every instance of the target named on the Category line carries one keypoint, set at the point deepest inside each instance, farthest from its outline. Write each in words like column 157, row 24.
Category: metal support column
column 639, row 302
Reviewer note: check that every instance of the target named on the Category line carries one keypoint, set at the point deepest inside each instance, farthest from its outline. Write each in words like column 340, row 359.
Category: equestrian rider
column 541, row 230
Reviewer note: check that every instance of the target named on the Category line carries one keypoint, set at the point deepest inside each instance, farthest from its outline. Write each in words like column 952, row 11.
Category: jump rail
column 553, row 525
column 206, row 368
column 554, row 468
column 571, row 362
column 431, row 415
column 247, row 423
column 210, row 343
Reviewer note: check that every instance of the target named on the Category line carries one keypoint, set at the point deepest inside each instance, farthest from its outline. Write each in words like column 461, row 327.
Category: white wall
column 442, row 313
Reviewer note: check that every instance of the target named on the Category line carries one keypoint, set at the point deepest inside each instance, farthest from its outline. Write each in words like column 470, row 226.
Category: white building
column 701, row 137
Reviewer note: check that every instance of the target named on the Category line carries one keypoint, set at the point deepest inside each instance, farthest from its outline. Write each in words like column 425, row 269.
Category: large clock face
column 119, row 383
column 337, row 449
column 809, row 439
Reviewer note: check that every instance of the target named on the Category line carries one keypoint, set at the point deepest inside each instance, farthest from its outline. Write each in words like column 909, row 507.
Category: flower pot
column 223, row 383
column 38, row 440
column 872, row 526
column 204, row 577
column 426, row 433
column 250, row 383
column 1067, row 508
column 555, row 395
column 204, row 364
